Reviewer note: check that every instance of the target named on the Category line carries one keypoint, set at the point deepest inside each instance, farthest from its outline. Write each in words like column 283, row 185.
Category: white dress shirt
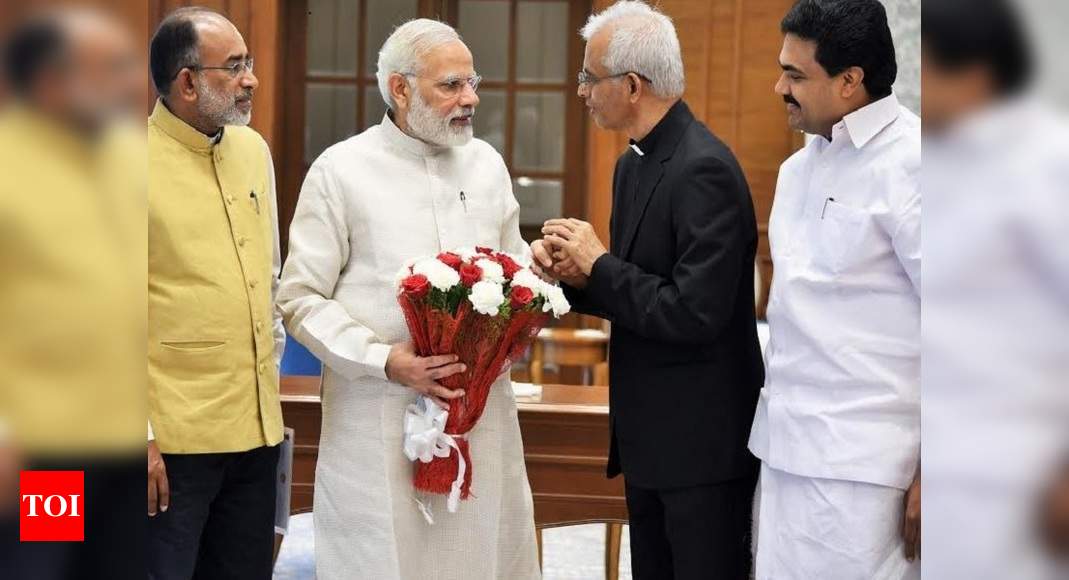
column 842, row 389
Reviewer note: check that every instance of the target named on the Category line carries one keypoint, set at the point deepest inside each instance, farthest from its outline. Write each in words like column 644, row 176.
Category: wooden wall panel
column 730, row 57
column 259, row 22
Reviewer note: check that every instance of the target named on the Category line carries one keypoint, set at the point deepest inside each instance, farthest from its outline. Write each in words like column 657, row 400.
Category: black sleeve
column 710, row 239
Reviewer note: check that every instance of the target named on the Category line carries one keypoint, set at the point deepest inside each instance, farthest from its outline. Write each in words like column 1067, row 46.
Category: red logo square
column 51, row 506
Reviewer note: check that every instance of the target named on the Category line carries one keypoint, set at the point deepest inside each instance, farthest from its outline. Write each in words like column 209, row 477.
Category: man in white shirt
column 412, row 186
column 996, row 325
column 838, row 423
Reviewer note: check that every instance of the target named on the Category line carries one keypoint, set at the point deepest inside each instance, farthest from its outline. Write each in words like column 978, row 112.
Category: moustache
column 790, row 101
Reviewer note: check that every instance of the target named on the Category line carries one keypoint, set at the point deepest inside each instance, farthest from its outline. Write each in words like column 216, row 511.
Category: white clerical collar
column 405, row 142
column 863, row 124
column 635, row 147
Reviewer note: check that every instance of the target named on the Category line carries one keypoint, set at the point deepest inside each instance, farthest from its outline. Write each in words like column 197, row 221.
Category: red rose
column 416, row 286
column 508, row 265
column 470, row 274
column 520, row 296
column 450, row 259
column 483, row 250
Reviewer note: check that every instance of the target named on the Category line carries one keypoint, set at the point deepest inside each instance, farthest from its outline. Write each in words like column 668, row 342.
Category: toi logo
column 52, row 506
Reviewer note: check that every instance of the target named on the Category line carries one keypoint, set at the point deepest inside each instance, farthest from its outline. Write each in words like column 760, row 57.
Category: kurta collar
column 181, row 131
column 661, row 141
column 865, row 123
column 402, row 141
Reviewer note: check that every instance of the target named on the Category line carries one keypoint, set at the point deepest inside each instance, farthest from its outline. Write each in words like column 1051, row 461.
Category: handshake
column 566, row 252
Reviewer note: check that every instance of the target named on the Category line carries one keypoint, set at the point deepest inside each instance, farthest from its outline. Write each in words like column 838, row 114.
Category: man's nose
column 249, row 80
column 781, row 86
column 468, row 96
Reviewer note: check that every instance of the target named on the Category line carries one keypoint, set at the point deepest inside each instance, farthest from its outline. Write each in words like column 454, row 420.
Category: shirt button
column 252, row 283
column 241, row 241
column 262, row 367
column 259, row 325
column 230, row 199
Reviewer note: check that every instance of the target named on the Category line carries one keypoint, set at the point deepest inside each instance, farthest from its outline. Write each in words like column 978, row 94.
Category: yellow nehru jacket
column 212, row 370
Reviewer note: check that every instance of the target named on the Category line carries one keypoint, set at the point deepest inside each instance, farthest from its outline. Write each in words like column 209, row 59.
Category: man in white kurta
column 368, row 204
column 837, row 426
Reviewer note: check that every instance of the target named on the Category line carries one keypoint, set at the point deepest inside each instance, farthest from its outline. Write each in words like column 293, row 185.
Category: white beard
column 219, row 108
column 427, row 125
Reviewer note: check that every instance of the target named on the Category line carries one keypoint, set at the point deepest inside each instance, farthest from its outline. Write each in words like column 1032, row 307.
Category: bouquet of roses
column 486, row 308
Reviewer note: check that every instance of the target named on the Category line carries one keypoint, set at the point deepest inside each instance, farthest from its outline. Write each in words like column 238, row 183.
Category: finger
column 910, row 539
column 431, row 362
column 446, row 371
column 578, row 225
column 563, row 243
column 164, row 489
column 152, row 496
column 541, row 255
column 446, row 393
column 557, row 235
column 558, row 222
column 439, row 402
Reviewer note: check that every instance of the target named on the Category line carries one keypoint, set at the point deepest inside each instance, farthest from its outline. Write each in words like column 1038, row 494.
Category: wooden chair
column 568, row 347
column 588, row 349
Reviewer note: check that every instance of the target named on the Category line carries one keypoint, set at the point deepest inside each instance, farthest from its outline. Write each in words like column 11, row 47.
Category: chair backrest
column 297, row 360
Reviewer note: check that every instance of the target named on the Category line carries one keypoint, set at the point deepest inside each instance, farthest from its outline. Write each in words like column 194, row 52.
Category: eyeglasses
column 233, row 70
column 452, row 86
column 587, row 78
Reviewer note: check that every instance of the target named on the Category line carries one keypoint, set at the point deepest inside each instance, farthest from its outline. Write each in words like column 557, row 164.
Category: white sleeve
column 278, row 330
column 318, row 251
column 511, row 240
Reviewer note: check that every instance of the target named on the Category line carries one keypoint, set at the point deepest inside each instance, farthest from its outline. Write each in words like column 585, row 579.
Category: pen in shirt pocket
column 825, row 208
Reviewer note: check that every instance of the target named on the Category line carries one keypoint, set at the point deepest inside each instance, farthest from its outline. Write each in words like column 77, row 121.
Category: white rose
column 527, row 279
column 487, row 297
column 556, row 301
column 404, row 272
column 467, row 253
column 492, row 271
column 438, row 274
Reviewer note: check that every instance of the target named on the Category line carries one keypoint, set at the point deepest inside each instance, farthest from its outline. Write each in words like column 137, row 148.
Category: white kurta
column 367, row 205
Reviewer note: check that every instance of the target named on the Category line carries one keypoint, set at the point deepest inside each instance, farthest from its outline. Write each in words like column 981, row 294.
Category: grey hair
column 404, row 50
column 643, row 41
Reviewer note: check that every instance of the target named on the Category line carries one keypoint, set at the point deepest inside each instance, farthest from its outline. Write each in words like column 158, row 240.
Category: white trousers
column 810, row 528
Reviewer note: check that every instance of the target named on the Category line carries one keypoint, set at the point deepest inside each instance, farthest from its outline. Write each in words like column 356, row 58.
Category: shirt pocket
column 836, row 235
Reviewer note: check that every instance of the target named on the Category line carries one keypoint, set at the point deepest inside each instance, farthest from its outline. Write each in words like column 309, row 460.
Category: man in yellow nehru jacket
column 214, row 341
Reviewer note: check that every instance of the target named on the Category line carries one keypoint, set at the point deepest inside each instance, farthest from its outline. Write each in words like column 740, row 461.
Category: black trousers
column 692, row 533
column 114, row 510
column 220, row 521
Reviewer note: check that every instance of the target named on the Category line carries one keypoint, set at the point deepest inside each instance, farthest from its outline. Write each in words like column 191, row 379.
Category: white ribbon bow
column 425, row 439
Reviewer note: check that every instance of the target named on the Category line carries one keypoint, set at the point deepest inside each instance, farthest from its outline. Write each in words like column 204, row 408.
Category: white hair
column 644, row 42
column 404, row 50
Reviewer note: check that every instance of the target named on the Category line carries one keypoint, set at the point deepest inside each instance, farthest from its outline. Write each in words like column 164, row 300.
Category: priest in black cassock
column 677, row 284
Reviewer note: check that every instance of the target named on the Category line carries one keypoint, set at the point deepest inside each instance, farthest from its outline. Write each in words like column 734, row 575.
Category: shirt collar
column 181, row 131
column 865, row 123
column 662, row 139
column 405, row 142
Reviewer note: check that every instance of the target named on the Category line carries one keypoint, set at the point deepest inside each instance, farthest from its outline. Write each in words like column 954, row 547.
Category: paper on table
column 284, row 482
column 526, row 389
